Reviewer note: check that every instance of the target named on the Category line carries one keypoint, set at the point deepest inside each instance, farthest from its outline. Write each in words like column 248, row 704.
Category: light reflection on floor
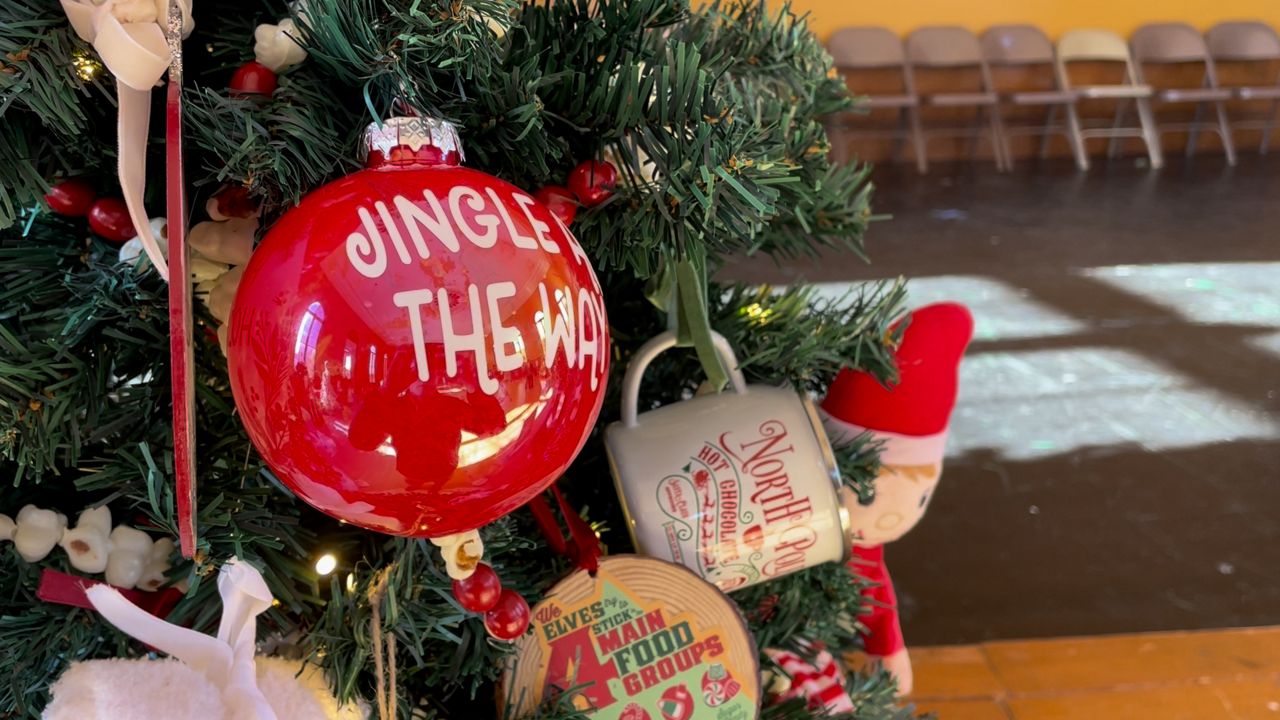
column 1206, row 293
column 1029, row 403
column 1270, row 343
column 1000, row 312
column 1045, row 402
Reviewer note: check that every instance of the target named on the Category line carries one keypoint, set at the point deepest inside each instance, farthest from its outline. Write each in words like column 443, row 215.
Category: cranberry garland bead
column 480, row 592
column 72, row 198
column 509, row 619
column 593, row 181
column 109, row 217
column 253, row 78
column 560, row 201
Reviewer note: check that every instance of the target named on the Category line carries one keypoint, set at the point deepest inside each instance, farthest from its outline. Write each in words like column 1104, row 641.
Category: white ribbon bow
column 227, row 660
column 129, row 35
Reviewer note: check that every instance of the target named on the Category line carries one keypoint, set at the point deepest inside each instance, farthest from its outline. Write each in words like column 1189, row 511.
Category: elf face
column 902, row 495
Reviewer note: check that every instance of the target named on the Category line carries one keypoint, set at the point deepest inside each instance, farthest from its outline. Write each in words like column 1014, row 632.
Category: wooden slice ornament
column 643, row 639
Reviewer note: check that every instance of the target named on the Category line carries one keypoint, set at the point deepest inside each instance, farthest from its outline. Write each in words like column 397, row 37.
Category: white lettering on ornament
column 567, row 326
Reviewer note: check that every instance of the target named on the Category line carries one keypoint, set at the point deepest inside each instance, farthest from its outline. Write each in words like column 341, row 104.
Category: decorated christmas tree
column 665, row 138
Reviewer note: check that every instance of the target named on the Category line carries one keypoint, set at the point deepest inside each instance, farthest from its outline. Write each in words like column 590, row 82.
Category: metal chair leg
column 1193, row 134
column 971, row 137
column 999, row 141
column 900, row 137
column 1149, row 133
column 1076, row 137
column 1113, row 145
column 1224, row 129
column 1268, row 128
column 918, row 141
column 1044, row 136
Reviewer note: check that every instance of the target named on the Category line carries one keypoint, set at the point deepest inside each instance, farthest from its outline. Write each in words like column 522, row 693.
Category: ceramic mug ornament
column 740, row 487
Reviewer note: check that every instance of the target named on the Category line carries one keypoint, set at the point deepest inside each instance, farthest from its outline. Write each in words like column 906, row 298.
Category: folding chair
column 877, row 48
column 1179, row 43
column 952, row 48
column 1027, row 47
column 1103, row 46
column 1251, row 43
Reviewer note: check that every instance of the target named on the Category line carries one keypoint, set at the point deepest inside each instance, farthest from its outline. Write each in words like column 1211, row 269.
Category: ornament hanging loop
column 583, row 547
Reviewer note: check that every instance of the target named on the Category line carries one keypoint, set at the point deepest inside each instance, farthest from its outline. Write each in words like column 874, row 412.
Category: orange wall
column 1053, row 16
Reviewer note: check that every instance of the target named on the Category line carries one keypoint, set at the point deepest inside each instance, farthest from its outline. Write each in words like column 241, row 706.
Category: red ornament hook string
column 582, row 547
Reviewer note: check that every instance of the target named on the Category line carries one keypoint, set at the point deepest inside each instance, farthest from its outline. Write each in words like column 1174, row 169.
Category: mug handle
column 650, row 350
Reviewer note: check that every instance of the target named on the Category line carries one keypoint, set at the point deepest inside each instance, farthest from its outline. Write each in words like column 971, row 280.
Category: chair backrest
column 943, row 46
column 1168, row 43
column 866, row 47
column 1016, row 45
column 1246, row 40
column 1092, row 45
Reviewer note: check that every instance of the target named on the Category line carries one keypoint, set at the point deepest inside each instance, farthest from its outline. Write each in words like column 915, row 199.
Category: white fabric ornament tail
column 129, row 35
column 227, row 661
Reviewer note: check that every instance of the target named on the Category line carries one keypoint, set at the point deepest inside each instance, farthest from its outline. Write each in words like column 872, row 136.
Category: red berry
column 593, row 182
column 480, row 592
column 109, row 217
column 509, row 618
column 253, row 78
column 559, row 201
column 71, row 197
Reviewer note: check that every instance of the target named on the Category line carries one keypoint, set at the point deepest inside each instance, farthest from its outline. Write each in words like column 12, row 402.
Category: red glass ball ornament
column 480, row 592
column 418, row 348
column 509, row 618
column 72, row 198
column 253, row 78
column 593, row 182
column 560, row 201
column 109, row 217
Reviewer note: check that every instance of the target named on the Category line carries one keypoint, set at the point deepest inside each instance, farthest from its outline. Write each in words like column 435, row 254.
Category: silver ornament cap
column 413, row 133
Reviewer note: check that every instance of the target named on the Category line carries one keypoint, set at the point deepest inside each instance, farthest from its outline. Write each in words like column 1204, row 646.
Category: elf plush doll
column 911, row 419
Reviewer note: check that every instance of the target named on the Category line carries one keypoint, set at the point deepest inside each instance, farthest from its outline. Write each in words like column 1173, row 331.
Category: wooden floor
column 1205, row 675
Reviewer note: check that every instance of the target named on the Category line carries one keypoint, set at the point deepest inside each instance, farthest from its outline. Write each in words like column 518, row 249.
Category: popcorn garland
column 221, row 246
column 275, row 49
column 128, row 556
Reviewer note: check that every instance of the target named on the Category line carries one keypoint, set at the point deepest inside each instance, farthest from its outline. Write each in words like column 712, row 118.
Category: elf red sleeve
column 884, row 632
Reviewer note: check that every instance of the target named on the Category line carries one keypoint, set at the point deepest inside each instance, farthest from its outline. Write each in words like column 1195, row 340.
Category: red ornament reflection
column 418, row 348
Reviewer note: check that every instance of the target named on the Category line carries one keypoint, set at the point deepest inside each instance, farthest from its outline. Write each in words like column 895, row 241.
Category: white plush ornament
column 37, row 532
column 276, row 47
column 228, row 241
column 88, row 544
column 130, row 551
column 207, row 678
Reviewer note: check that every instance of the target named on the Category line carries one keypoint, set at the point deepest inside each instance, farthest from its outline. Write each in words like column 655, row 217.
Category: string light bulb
column 326, row 564
column 87, row 68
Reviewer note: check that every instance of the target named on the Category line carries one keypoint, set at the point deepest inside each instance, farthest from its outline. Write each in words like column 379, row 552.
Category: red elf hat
column 928, row 361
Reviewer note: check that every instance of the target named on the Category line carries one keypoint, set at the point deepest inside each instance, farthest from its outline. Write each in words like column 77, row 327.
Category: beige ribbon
column 226, row 661
column 129, row 35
